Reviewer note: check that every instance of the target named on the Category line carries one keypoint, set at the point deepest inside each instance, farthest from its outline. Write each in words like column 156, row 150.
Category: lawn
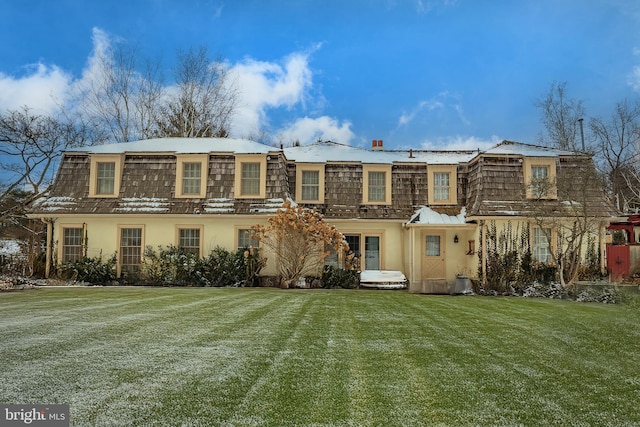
column 271, row 357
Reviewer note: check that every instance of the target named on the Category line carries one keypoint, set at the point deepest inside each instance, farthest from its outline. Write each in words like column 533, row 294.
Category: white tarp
column 386, row 279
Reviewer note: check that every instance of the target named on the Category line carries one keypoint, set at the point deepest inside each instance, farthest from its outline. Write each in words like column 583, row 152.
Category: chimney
column 376, row 145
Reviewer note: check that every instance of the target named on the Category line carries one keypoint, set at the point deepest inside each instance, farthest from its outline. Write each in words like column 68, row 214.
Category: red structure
column 619, row 251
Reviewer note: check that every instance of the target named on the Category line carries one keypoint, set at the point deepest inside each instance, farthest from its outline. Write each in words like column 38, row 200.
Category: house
column 428, row 214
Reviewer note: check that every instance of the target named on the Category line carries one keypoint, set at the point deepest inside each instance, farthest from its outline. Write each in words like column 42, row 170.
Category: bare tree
column 560, row 116
column 203, row 100
column 120, row 99
column 572, row 223
column 618, row 142
column 30, row 145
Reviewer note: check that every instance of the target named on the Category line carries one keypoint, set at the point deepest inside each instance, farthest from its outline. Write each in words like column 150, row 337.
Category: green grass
column 242, row 357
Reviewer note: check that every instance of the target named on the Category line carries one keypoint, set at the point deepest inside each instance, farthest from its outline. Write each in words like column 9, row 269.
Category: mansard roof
column 328, row 151
column 180, row 146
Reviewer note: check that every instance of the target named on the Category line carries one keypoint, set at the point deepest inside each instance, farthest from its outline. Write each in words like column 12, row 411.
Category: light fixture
column 455, row 239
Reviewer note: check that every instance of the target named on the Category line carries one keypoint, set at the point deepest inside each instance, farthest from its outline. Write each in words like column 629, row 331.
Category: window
column 72, row 244
column 130, row 249
column 189, row 240
column 366, row 249
column 191, row 178
column 244, row 239
column 376, row 184
column 106, row 178
column 539, row 176
column 105, row 171
column 191, row 175
column 539, row 180
column 541, row 250
column 250, row 179
column 250, row 176
column 441, row 186
column 432, row 247
column 353, row 240
column 310, row 183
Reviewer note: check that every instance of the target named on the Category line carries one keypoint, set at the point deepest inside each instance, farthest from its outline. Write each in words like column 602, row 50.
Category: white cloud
column 634, row 78
column 307, row 130
column 43, row 88
column 264, row 85
column 429, row 105
column 460, row 142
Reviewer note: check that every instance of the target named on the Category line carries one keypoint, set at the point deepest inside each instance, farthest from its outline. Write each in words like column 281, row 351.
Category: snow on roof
column 322, row 152
column 319, row 152
column 518, row 148
column 180, row 146
column 427, row 215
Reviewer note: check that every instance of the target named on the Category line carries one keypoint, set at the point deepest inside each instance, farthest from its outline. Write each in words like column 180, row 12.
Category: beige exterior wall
column 102, row 231
column 391, row 239
column 457, row 257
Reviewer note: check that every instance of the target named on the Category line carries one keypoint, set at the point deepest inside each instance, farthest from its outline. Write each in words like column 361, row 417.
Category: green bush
column 170, row 266
column 93, row 270
column 339, row 278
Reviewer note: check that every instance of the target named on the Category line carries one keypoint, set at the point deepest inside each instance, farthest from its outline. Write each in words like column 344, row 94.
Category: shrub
column 339, row 278
column 93, row 270
column 172, row 266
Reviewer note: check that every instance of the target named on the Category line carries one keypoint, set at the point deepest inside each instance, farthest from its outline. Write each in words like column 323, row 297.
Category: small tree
column 299, row 238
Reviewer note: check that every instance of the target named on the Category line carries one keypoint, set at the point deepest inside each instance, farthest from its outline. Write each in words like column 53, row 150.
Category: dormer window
column 105, row 172
column 106, row 178
column 442, row 184
column 250, row 176
column 376, row 181
column 539, row 177
column 191, row 175
column 310, row 183
column 191, row 178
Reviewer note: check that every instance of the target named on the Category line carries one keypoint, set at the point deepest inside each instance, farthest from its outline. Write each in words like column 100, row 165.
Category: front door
column 372, row 252
column 433, row 255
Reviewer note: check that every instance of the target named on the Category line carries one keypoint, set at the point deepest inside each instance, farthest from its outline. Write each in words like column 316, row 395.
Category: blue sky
column 421, row 74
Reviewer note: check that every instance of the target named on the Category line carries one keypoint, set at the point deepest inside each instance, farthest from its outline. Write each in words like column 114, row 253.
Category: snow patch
column 143, row 204
column 427, row 215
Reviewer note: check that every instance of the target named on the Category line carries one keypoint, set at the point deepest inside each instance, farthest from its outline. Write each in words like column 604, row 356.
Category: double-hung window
column 441, row 186
column 191, row 175
column 72, row 244
column 104, row 174
column 540, row 177
column 250, row 176
column 106, row 178
column 130, row 249
column 250, row 179
column 189, row 240
column 376, row 184
column 310, row 183
column 539, row 180
column 541, row 248
column 246, row 240
column 191, row 178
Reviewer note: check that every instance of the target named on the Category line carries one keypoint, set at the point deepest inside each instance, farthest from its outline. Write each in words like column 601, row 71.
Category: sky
column 431, row 74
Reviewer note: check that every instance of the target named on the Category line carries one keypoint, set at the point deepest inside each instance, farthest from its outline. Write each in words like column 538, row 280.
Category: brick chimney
column 376, row 145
